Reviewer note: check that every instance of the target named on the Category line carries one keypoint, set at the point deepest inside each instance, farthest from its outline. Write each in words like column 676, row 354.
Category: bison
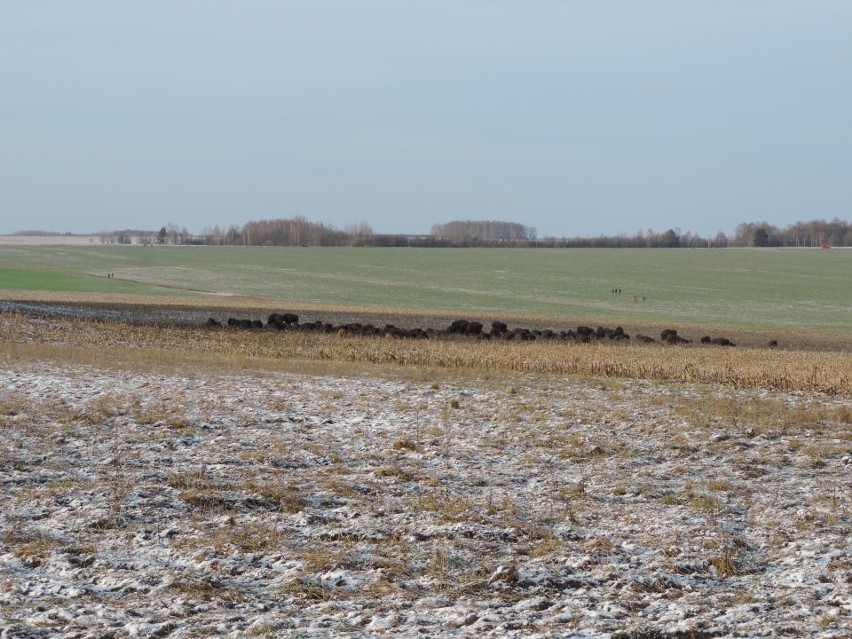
column 524, row 334
column 721, row 341
column 461, row 327
column 473, row 328
column 716, row 341
column 282, row 320
column 234, row 322
column 458, row 326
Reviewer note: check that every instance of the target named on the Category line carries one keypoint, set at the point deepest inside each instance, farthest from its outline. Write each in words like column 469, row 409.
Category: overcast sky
column 578, row 118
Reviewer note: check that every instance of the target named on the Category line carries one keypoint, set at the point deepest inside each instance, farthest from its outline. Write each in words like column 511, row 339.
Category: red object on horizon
column 826, row 246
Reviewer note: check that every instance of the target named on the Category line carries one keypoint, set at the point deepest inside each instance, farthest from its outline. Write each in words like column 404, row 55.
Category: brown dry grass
column 97, row 342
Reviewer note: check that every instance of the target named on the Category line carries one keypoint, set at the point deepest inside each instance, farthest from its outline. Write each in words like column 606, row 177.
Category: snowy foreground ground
column 277, row 505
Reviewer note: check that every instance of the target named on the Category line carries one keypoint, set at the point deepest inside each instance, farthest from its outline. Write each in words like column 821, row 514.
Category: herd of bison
column 461, row 327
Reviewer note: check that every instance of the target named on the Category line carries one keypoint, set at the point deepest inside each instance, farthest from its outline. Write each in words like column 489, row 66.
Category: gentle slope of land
column 782, row 290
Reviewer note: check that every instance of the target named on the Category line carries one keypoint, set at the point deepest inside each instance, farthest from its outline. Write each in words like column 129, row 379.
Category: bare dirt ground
column 180, row 502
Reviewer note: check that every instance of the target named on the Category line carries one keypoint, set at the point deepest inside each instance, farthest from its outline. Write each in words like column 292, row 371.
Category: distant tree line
column 814, row 233
column 672, row 238
column 482, row 231
column 801, row 234
column 299, row 231
column 42, row 234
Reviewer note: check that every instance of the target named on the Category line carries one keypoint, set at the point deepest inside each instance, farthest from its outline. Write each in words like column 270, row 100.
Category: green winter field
column 752, row 289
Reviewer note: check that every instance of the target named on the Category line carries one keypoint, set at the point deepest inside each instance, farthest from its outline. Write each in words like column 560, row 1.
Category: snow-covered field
column 206, row 503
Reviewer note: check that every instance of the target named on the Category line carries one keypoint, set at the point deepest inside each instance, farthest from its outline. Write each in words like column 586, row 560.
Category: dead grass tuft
column 725, row 563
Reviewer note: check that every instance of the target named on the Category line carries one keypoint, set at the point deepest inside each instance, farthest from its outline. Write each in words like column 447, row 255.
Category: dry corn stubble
column 79, row 340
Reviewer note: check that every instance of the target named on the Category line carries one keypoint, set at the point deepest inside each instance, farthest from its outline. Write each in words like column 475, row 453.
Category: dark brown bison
column 239, row 323
column 717, row 341
column 458, row 326
column 212, row 322
column 498, row 327
column 282, row 320
column 473, row 328
column 392, row 331
column 721, row 341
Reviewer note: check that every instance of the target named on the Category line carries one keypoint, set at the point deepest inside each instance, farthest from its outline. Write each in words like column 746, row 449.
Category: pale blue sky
column 577, row 118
